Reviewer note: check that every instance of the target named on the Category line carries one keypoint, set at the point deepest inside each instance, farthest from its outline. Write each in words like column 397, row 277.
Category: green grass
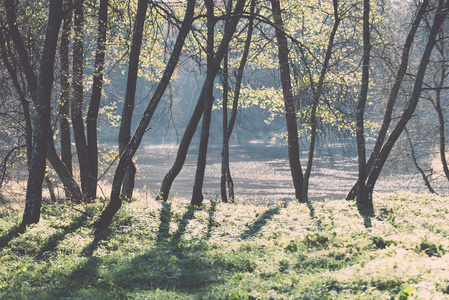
column 222, row 251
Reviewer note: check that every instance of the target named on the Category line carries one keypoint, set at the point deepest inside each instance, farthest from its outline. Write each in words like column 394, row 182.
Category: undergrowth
column 170, row 250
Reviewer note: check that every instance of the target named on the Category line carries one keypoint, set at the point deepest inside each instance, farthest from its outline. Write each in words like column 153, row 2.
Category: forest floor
column 171, row 250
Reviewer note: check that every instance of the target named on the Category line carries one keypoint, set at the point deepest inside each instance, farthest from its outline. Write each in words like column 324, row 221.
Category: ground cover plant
column 171, row 250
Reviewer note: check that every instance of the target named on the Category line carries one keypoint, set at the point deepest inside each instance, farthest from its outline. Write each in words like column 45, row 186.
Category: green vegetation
column 221, row 251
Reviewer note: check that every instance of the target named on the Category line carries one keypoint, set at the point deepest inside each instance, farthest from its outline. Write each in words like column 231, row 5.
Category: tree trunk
column 87, row 182
column 393, row 95
column 94, row 106
column 64, row 109
column 42, row 117
column 226, row 179
column 290, row 111
column 199, row 108
column 128, row 106
column 440, row 16
column 316, row 101
column 115, row 201
column 365, row 207
column 225, row 170
column 415, row 162
column 441, row 123
column 197, row 194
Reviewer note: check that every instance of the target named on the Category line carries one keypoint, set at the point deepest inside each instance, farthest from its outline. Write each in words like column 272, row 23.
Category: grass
column 221, row 251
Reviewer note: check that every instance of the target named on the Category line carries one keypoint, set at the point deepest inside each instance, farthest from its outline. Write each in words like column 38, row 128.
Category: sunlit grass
column 222, row 251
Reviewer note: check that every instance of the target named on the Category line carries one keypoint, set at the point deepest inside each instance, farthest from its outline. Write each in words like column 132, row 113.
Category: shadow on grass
column 164, row 225
column 56, row 238
column 311, row 209
column 210, row 225
column 14, row 232
column 260, row 222
column 188, row 215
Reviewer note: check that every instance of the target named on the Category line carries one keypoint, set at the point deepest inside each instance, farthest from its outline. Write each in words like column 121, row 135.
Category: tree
column 290, row 110
column 94, row 105
column 32, row 83
column 199, row 108
column 440, row 15
column 128, row 105
column 226, row 178
column 197, row 195
column 64, row 110
column 126, row 156
column 88, row 183
column 365, row 207
column 387, row 118
column 42, row 117
column 317, row 94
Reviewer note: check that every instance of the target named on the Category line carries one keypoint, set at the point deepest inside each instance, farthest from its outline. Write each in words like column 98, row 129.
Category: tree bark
column 127, row 155
column 197, row 194
column 42, row 117
column 225, row 170
column 87, row 182
column 393, row 95
column 94, row 106
column 128, row 105
column 364, row 206
column 439, row 19
column 226, row 178
column 64, row 109
column 290, row 111
column 199, row 108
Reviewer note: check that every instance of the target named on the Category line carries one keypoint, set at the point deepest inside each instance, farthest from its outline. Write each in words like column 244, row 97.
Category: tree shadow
column 211, row 223
column 56, row 238
column 164, row 225
column 367, row 222
column 311, row 209
column 188, row 215
column 260, row 222
column 99, row 235
column 14, row 232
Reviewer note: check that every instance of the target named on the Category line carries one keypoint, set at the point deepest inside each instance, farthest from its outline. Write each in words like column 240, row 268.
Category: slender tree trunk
column 128, row 105
column 94, row 106
column 316, row 100
column 393, row 95
column 115, row 201
column 225, row 146
column 197, row 194
column 42, row 117
column 70, row 185
column 199, row 108
column 226, row 179
column 439, row 19
column 290, row 111
column 64, row 110
column 364, row 207
column 87, row 182
column 415, row 162
column 441, row 122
